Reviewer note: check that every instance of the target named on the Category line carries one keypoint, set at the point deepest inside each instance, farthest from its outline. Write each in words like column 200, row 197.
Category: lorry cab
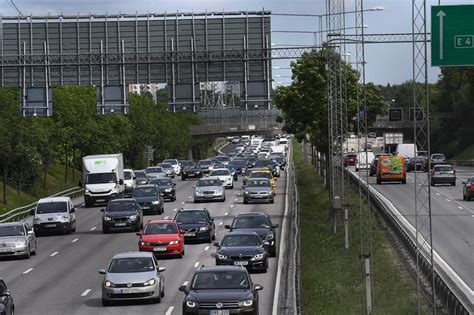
column 391, row 168
column 54, row 214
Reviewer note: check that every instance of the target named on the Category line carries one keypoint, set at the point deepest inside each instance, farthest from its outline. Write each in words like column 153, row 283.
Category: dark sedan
column 140, row 177
column 7, row 306
column 166, row 186
column 419, row 163
column 240, row 165
column 242, row 248
column 260, row 223
column 197, row 223
column 468, row 189
column 149, row 199
column 191, row 171
column 221, row 290
column 122, row 214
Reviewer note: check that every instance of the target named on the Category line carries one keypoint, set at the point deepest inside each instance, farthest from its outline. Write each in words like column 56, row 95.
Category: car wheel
column 74, row 228
column 404, row 181
column 158, row 299
column 432, row 184
column 28, row 253
column 223, row 199
column 214, row 236
column 105, row 230
column 454, row 184
column 272, row 251
column 69, row 229
column 272, row 200
column 36, row 249
column 209, row 240
column 246, row 201
column 182, row 254
column 106, row 303
column 463, row 196
column 162, row 294
column 379, row 181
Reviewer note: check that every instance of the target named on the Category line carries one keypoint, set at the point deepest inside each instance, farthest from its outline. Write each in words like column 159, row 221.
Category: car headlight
column 246, row 192
column 270, row 192
column 190, row 304
column 246, row 303
column 156, row 202
column 106, row 218
column 269, row 236
column 168, row 189
column 143, row 243
column 220, row 256
column 150, row 282
column 218, row 192
column 64, row 218
column 257, row 257
column 203, row 228
column 109, row 284
column 20, row 244
column 175, row 242
column 36, row 220
column 132, row 217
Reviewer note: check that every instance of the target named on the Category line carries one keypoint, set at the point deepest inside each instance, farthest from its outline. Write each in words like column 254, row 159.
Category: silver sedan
column 132, row 276
column 209, row 188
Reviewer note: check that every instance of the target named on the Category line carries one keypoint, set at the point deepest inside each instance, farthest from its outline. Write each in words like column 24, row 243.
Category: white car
column 175, row 164
column 364, row 159
column 224, row 176
column 129, row 181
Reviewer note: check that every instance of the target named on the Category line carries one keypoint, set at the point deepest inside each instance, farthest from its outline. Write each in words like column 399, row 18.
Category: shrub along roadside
column 331, row 276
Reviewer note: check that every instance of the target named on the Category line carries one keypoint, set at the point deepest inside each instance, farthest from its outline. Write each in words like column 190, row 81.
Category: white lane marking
column 227, row 213
column 438, row 194
column 74, row 240
column 167, row 217
column 231, row 206
column 448, row 200
column 185, row 282
column 27, row 271
column 460, row 207
column 206, row 248
column 86, row 292
column 54, row 254
column 196, row 264
column 170, row 310
column 183, row 203
column 175, row 209
column 220, row 223
column 93, row 228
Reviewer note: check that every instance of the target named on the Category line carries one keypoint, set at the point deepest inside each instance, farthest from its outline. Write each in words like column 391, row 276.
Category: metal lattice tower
column 421, row 134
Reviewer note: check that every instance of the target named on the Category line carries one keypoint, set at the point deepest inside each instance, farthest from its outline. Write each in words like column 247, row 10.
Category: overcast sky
column 386, row 63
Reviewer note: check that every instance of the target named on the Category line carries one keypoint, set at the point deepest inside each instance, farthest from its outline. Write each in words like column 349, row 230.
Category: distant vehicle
column 258, row 189
column 122, row 214
column 129, row 180
column 373, row 166
column 236, row 140
column 191, row 171
column 168, row 169
column 54, row 214
column 391, row 168
column 391, row 140
column 468, row 189
column 350, row 160
column 372, row 135
column 162, row 238
column 437, row 158
column 407, row 150
column 242, row 248
column 283, row 141
column 6, row 301
column 272, row 165
column 154, row 172
column 443, row 174
column 166, row 187
column 363, row 160
column 197, row 224
column 419, row 163
column 224, row 175
column 223, row 159
column 175, row 164
column 422, row 154
column 103, row 178
column 184, row 163
column 240, row 165
column 250, row 160
column 140, row 177
column 206, row 166
column 280, row 160
column 213, row 290
column 149, row 199
column 245, row 138
column 17, row 239
column 132, row 276
column 260, row 223
column 261, row 173
column 209, row 188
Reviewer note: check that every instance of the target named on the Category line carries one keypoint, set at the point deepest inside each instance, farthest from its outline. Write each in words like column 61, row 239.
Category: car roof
column 147, row 185
column 220, row 268
column 241, row 232
column 220, row 169
column 12, row 223
column 133, row 255
column 189, row 209
column 252, row 214
column 207, row 178
column 160, row 221
column 443, row 165
column 54, row 199
column 122, row 200
column 260, row 178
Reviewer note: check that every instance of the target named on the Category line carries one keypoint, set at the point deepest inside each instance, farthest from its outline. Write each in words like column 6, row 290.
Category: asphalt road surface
column 63, row 278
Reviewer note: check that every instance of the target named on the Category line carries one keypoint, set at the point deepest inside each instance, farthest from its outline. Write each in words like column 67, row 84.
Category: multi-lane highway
column 452, row 219
column 63, row 278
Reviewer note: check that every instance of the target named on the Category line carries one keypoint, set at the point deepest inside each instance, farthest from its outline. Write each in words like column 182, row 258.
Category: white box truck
column 391, row 140
column 102, row 178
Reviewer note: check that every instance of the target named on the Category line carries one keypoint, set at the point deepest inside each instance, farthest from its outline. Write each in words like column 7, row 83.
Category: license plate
column 100, row 200
column 219, row 312
column 129, row 291
column 5, row 250
column 190, row 234
column 145, row 208
column 159, row 249
column 50, row 225
column 241, row 263
column 120, row 224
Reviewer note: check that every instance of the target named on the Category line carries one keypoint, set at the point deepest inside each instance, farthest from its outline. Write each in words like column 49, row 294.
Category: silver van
column 54, row 214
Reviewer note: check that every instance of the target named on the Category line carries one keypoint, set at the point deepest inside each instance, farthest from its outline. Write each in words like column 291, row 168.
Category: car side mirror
column 227, row 226
column 102, row 210
column 138, row 234
column 72, row 210
column 182, row 232
column 216, row 244
column 32, row 212
column 6, row 293
column 31, row 232
column 182, row 288
column 161, row 269
column 134, row 177
column 102, row 271
column 266, row 243
column 79, row 183
column 258, row 287
column 120, row 181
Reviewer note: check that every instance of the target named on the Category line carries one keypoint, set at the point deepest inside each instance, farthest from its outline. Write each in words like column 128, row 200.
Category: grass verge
column 466, row 155
column 331, row 276
column 54, row 184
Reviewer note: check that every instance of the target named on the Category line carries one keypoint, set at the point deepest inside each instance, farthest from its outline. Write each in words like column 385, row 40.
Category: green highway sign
column 452, row 35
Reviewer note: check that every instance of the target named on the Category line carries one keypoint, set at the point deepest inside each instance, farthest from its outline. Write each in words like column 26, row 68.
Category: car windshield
column 443, row 168
column 166, row 166
column 161, row 182
column 51, row 207
column 241, row 240
column 191, row 217
column 250, row 222
column 208, row 182
column 470, row 180
column 127, row 175
column 267, row 175
column 205, row 162
column 101, row 178
column 154, row 170
column 220, row 173
column 172, row 162
column 222, row 158
column 131, row 264
column 238, row 163
column 160, row 228
column 438, row 156
column 121, row 206
column 140, row 174
column 258, row 183
column 11, row 230
column 220, row 280
column 145, row 192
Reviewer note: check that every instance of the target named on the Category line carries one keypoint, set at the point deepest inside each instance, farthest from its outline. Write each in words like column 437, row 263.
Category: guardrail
column 22, row 212
column 454, row 293
column 468, row 163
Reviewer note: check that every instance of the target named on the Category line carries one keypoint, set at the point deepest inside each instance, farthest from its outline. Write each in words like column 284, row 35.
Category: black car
column 260, row 223
column 242, row 248
column 250, row 160
column 149, row 198
column 373, row 166
column 185, row 163
column 140, row 177
column 197, row 223
column 419, row 163
column 221, row 290
column 272, row 165
column 191, row 171
column 122, row 214
column 240, row 165
column 7, row 306
column 280, row 159
column 166, row 186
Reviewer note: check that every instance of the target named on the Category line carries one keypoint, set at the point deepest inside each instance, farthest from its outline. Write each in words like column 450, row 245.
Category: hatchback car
column 162, row 238
column 468, row 189
column 191, row 171
column 260, row 223
column 175, row 164
column 54, row 214
column 155, row 171
column 272, row 165
column 168, row 169
column 221, row 290
column 166, row 186
column 7, row 305
column 140, row 177
column 132, row 276
column 240, row 165
column 258, row 189
column 206, row 166
column 122, row 214
column 350, row 160
column 419, row 163
column 242, row 248
column 261, row 173
column 224, row 175
column 149, row 199
column 437, row 158
column 17, row 239
column 209, row 188
column 197, row 224
column 443, row 174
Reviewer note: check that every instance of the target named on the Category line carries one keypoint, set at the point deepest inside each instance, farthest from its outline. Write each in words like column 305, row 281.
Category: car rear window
column 438, row 156
column 443, row 168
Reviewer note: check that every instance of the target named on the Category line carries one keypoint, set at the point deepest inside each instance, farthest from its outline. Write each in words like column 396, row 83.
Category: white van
column 54, row 214
column 364, row 159
column 407, row 150
column 129, row 180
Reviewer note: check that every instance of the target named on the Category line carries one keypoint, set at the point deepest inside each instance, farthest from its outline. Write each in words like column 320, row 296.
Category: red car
column 162, row 237
column 350, row 160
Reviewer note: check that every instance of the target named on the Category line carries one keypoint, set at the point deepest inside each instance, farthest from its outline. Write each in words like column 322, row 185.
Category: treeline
column 29, row 146
column 451, row 107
